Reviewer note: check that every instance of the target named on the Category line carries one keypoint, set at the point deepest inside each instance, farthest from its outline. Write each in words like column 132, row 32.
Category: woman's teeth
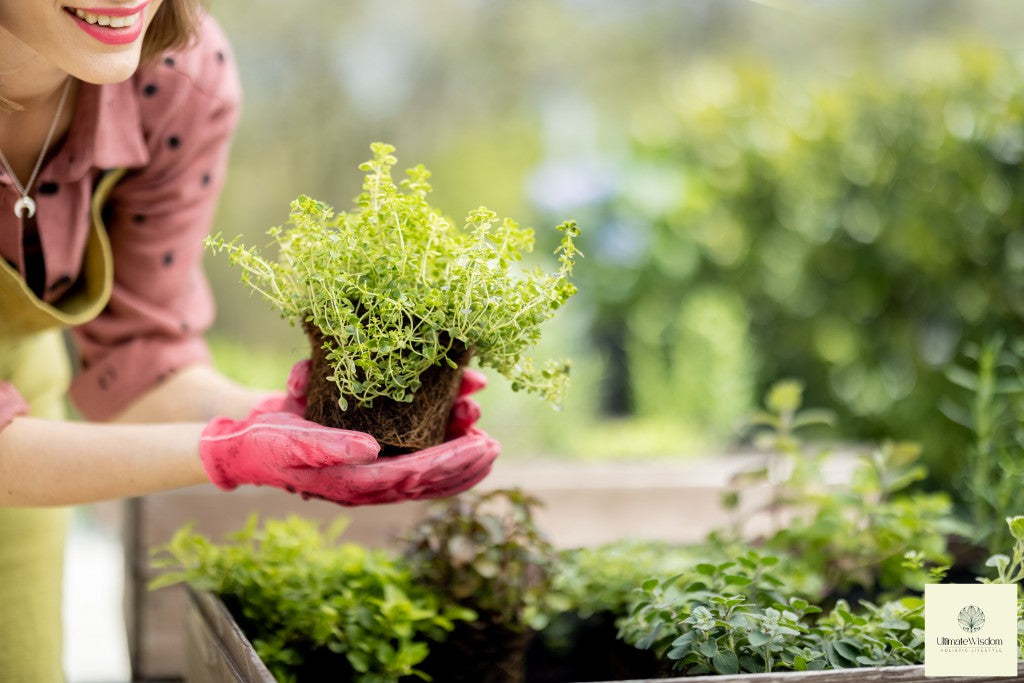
column 103, row 20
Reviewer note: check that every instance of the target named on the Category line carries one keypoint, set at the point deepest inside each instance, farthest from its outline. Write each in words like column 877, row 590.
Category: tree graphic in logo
column 971, row 619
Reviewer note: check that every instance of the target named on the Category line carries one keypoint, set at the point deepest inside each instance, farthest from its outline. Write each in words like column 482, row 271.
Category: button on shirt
column 170, row 126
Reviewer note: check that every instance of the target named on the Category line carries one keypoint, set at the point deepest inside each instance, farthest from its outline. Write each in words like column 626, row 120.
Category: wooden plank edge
column 215, row 635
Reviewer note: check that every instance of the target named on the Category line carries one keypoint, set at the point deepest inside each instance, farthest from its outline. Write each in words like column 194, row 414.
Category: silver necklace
column 26, row 204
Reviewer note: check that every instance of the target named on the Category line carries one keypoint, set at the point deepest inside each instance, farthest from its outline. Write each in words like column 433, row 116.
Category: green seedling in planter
column 792, row 472
column 598, row 584
column 604, row 578
column 856, row 537
column 739, row 617
column 392, row 295
column 744, row 616
column 484, row 551
column 314, row 608
column 853, row 539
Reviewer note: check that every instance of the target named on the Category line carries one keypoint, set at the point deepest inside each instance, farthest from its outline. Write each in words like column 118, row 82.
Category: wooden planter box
column 582, row 504
column 218, row 652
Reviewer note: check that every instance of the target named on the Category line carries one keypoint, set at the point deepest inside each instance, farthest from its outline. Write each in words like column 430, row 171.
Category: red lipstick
column 111, row 35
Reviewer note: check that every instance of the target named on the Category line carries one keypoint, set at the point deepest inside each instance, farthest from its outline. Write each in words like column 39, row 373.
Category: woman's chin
column 106, row 69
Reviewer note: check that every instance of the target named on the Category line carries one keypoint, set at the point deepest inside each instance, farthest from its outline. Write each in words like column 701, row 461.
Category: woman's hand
column 436, row 472
column 277, row 447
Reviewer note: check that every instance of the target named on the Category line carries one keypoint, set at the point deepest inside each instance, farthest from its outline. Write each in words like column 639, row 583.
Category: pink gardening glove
column 282, row 449
column 271, row 448
column 436, row 472
column 465, row 411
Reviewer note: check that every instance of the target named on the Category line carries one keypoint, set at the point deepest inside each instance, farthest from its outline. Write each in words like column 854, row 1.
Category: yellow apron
column 33, row 358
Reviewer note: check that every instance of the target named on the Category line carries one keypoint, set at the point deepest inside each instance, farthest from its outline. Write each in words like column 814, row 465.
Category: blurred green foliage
column 989, row 405
column 870, row 228
column 815, row 189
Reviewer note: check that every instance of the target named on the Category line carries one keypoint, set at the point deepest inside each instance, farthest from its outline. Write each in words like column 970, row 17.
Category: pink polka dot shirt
column 170, row 126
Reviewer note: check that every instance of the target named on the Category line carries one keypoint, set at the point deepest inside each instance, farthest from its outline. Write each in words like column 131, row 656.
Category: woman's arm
column 49, row 462
column 52, row 462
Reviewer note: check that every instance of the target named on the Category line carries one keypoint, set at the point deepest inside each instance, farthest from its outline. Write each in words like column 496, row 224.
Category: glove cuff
column 215, row 452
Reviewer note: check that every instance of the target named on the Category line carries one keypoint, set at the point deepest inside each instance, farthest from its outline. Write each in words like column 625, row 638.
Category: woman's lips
column 110, row 25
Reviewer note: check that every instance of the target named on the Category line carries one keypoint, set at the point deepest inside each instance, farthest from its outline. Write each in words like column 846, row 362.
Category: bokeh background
column 829, row 191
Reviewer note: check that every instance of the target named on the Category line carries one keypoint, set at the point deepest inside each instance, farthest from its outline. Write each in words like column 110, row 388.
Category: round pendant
column 25, row 204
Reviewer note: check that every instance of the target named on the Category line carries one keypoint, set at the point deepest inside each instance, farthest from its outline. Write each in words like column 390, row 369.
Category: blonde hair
column 173, row 26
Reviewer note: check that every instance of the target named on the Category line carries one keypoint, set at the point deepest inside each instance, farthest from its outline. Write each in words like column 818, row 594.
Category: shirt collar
column 106, row 131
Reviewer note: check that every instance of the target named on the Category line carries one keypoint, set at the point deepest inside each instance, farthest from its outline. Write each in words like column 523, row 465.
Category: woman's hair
column 173, row 26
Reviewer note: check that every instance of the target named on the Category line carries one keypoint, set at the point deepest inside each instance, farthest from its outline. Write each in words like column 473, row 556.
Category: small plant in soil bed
column 742, row 616
column 315, row 609
column 461, row 603
column 597, row 585
column 395, row 299
column 485, row 552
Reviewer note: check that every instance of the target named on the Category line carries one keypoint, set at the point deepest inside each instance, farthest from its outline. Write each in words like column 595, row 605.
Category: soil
column 398, row 427
column 479, row 652
column 588, row 649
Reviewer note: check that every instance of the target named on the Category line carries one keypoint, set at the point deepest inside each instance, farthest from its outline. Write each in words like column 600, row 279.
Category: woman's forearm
column 153, row 445
column 52, row 462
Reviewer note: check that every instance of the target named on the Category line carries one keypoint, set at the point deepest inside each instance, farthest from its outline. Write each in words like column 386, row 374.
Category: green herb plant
column 790, row 470
column 393, row 284
column 301, row 597
column 784, row 601
column 738, row 617
column 744, row 616
column 1010, row 569
column 854, row 537
column 598, row 584
column 485, row 551
column 603, row 578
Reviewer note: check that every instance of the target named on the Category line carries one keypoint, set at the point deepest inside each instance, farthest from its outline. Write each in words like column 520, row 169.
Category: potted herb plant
column 485, row 552
column 395, row 299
